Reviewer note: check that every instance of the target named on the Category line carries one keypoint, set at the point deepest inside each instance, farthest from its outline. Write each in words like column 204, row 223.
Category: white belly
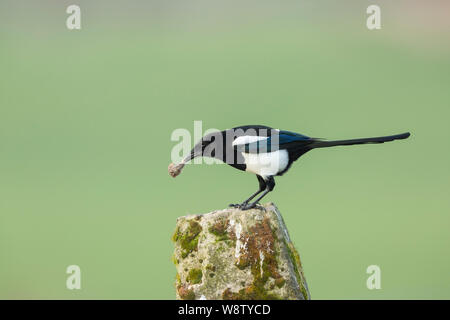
column 266, row 164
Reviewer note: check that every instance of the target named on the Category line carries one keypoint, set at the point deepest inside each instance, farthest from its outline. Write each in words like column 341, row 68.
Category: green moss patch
column 195, row 276
column 188, row 239
column 211, row 267
column 297, row 264
column 219, row 229
column 185, row 293
column 280, row 282
column 249, row 293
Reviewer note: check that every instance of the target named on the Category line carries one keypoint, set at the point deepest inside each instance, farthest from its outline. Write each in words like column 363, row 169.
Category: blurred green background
column 86, row 118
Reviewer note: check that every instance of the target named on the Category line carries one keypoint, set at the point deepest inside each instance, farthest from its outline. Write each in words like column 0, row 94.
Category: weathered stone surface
column 234, row 254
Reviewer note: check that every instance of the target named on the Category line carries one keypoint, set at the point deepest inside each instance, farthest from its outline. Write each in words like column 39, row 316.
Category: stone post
column 233, row 254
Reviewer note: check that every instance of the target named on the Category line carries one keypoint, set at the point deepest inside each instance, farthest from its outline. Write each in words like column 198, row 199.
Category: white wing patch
column 247, row 139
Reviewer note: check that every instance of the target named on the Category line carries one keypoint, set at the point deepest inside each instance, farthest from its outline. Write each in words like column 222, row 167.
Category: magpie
column 264, row 151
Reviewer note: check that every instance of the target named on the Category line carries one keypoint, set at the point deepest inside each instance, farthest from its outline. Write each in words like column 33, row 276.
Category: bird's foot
column 252, row 206
column 247, row 206
column 239, row 205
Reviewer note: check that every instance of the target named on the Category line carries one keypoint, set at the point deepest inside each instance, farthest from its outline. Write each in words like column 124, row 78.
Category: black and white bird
column 264, row 151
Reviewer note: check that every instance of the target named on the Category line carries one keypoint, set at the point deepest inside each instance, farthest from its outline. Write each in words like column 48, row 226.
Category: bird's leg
column 262, row 187
column 270, row 184
column 237, row 205
column 247, row 206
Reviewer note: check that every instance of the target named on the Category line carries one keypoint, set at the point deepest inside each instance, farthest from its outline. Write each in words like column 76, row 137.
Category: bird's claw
column 252, row 206
column 246, row 206
column 242, row 206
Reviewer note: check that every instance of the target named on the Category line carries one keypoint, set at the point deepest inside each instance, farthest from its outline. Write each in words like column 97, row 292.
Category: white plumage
column 246, row 140
column 266, row 164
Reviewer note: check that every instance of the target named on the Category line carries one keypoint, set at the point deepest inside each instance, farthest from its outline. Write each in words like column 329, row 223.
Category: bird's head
column 206, row 147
